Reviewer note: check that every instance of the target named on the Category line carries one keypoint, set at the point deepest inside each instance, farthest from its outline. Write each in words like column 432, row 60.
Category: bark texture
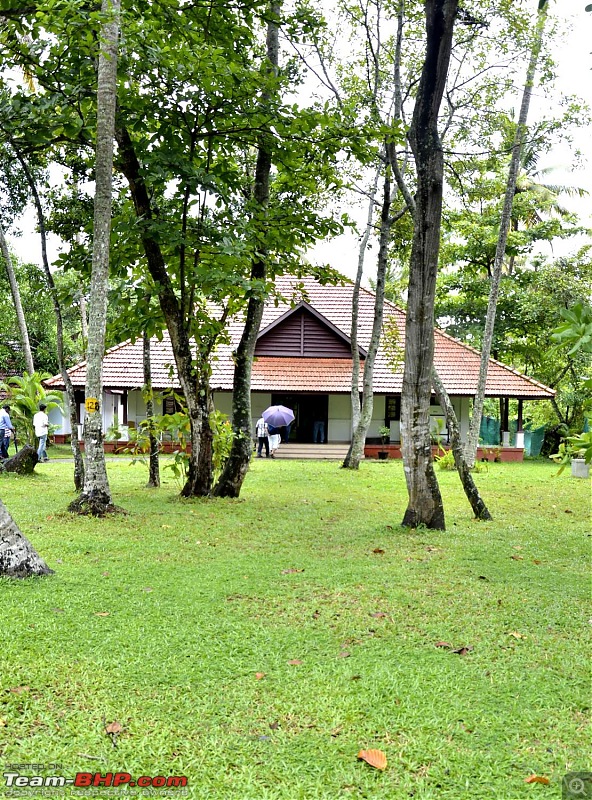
column 96, row 494
column 153, row 466
column 18, row 306
column 356, row 448
column 77, row 455
column 470, row 488
column 231, row 480
column 23, row 463
column 18, row 559
column 355, row 382
column 500, row 252
column 425, row 505
column 191, row 375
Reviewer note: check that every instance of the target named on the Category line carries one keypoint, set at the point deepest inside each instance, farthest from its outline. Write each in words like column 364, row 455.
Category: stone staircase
column 330, row 451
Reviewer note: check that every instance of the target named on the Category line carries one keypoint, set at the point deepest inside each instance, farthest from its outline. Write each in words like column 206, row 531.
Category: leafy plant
column 579, row 446
column 385, row 434
column 24, row 395
column 113, row 431
column 445, row 459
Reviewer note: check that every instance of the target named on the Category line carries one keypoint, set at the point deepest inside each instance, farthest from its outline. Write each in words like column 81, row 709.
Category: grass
column 310, row 565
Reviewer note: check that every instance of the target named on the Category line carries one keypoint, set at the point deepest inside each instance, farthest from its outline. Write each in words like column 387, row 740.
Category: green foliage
column 40, row 318
column 222, row 441
column 579, row 446
column 576, row 331
column 445, row 460
column 24, row 395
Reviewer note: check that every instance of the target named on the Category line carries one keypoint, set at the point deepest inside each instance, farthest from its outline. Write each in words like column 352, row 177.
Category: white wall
column 339, row 427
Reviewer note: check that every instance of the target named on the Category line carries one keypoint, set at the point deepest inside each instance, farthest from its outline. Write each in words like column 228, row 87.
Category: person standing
column 263, row 437
column 41, row 425
column 6, row 431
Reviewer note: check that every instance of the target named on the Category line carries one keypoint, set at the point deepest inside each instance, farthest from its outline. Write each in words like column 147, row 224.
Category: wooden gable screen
column 302, row 334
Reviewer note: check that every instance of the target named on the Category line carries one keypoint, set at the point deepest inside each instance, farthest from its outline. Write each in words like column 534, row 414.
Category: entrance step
column 330, row 451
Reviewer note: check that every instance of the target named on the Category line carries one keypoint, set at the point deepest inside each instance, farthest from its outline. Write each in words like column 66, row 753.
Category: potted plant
column 577, row 451
column 385, row 437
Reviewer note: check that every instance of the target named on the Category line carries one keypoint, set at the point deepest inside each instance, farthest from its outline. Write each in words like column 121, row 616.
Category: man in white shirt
column 41, row 425
column 263, row 436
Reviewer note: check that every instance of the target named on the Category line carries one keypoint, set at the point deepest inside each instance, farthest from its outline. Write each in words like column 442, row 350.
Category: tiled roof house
column 303, row 360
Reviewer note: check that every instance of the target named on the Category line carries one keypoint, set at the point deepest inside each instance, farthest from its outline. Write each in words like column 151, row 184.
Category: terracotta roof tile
column 458, row 364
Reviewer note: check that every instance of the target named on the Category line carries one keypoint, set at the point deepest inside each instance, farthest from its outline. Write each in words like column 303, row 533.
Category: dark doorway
column 308, row 409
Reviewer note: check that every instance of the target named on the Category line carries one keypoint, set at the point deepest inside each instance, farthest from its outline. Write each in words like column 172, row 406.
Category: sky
column 574, row 60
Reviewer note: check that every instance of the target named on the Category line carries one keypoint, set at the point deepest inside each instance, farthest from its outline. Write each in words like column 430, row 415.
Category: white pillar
column 505, row 438
column 520, row 440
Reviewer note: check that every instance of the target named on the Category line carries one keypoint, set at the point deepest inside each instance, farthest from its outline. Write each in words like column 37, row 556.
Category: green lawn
column 310, row 565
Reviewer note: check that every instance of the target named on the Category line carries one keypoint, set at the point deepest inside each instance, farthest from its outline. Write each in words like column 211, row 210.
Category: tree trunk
column 18, row 559
column 77, row 455
column 191, row 375
column 356, row 449
column 477, row 504
column 425, row 502
column 18, row 306
column 236, row 467
column 355, row 382
column 23, row 463
column 96, row 494
column 505, row 222
column 153, row 467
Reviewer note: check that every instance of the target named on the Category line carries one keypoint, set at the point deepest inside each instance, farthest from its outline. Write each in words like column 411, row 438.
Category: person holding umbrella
column 279, row 417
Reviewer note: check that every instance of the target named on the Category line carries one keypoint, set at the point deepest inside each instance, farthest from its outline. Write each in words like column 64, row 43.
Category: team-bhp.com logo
column 85, row 780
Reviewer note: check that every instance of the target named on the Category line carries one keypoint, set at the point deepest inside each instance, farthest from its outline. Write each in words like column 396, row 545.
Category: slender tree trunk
column 153, row 467
column 236, row 467
column 477, row 504
column 77, row 455
column 355, row 382
column 83, row 320
column 425, row 502
column 18, row 559
column 505, row 222
column 96, row 495
column 18, row 306
column 356, row 449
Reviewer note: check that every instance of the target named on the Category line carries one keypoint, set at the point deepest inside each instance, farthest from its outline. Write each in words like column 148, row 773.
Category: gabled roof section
column 329, row 311
column 304, row 332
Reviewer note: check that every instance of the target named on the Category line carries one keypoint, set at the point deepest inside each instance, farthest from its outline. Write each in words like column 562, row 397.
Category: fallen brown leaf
column 294, row 662
column 517, row 635
column 376, row 758
column 568, row 511
column 58, row 610
column 274, row 725
column 2, row 723
column 113, row 727
column 336, row 731
column 378, row 550
column 102, row 613
column 462, row 651
column 147, row 589
column 316, row 615
column 379, row 615
column 517, row 558
column 442, row 644
column 536, row 561
column 259, row 675
column 291, row 571
column 537, row 779
column 343, row 654
column 20, row 689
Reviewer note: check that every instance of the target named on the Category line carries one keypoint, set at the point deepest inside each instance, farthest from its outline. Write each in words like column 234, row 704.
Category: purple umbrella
column 278, row 416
